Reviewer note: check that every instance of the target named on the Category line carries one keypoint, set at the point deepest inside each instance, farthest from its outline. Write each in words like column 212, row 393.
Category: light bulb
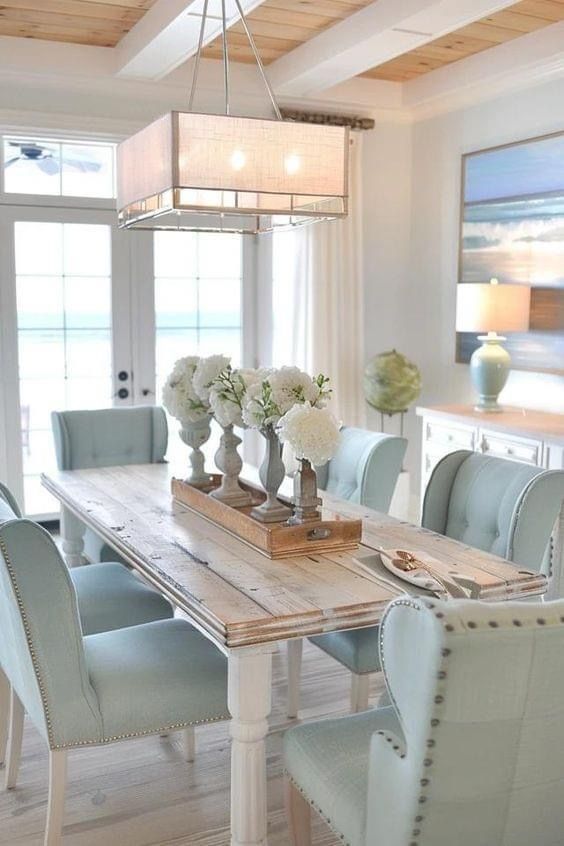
column 292, row 163
column 238, row 160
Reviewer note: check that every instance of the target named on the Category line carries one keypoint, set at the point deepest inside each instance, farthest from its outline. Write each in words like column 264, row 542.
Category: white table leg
column 249, row 700
column 72, row 533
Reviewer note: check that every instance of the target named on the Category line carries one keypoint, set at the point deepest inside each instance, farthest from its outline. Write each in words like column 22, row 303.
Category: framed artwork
column 512, row 227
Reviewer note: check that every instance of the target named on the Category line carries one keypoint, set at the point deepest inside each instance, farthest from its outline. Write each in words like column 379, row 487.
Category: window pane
column 44, row 166
column 39, row 248
column 221, row 342
column 176, row 302
column 88, row 171
column 173, row 344
column 41, row 354
column 88, row 302
column 175, row 253
column 38, row 397
column 88, row 354
column 40, row 302
column 32, row 167
column 219, row 258
column 220, row 302
column 87, row 250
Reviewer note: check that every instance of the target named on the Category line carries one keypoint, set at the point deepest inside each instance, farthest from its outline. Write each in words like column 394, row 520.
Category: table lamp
column 491, row 307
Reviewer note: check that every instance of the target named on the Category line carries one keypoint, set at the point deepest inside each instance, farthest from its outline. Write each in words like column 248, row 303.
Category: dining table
column 247, row 603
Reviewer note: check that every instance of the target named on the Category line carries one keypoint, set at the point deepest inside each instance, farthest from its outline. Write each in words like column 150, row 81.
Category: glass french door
column 92, row 316
column 66, row 312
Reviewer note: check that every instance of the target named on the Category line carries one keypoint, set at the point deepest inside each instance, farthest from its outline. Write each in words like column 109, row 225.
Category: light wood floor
column 141, row 793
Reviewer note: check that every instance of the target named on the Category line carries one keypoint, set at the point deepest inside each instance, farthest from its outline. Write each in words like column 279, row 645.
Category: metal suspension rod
column 198, row 56
column 257, row 58
column 225, row 57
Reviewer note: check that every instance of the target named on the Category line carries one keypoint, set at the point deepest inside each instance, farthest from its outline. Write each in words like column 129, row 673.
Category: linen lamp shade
column 490, row 307
column 226, row 173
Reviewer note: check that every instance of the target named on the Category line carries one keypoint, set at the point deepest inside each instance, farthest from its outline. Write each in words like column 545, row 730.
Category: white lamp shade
column 232, row 173
column 486, row 307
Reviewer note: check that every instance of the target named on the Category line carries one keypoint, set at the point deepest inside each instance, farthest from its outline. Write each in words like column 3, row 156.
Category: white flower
column 179, row 397
column 313, row 433
column 207, row 370
column 291, row 385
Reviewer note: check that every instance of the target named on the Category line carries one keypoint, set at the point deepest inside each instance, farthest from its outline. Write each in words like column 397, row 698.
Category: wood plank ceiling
column 513, row 22
column 279, row 26
column 97, row 22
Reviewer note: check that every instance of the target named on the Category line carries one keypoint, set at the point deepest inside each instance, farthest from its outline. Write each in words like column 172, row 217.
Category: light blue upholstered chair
column 108, row 437
column 365, row 470
column 504, row 507
column 109, row 597
column 95, row 689
column 470, row 751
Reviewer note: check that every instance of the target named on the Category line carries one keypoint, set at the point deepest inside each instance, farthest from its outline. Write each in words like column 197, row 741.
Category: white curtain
column 318, row 300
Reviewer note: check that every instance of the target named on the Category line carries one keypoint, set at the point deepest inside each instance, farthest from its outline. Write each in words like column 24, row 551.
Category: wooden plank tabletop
column 235, row 593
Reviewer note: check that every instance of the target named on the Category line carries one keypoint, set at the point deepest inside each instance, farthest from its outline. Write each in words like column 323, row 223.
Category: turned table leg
column 249, row 705
column 72, row 533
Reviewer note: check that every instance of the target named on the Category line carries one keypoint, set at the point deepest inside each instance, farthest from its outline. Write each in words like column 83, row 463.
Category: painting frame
column 496, row 199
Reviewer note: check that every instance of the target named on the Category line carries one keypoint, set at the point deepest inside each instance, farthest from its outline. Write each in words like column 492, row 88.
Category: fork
column 407, row 562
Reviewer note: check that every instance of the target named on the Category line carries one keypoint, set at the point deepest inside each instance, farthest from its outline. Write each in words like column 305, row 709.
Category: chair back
column 41, row 648
column 479, row 690
column 365, row 469
column 107, row 437
column 9, row 508
column 504, row 507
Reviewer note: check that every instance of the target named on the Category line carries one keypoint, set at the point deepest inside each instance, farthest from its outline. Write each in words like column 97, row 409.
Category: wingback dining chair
column 504, row 507
column 364, row 470
column 109, row 597
column 469, row 752
column 81, row 691
column 107, row 437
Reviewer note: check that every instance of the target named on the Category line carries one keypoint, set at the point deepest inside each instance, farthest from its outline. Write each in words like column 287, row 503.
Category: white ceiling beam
column 524, row 62
column 374, row 35
column 167, row 35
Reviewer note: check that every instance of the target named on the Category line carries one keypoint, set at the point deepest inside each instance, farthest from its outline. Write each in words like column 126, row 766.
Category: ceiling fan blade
column 48, row 165
column 11, row 161
column 83, row 165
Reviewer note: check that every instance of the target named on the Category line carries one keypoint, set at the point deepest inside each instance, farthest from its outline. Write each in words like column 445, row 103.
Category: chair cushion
column 357, row 649
column 155, row 677
column 328, row 760
column 111, row 597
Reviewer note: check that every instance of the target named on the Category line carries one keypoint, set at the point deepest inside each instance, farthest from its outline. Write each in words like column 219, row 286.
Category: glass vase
column 271, row 474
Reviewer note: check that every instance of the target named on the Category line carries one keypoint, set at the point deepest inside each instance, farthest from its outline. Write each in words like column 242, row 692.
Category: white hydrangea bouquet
column 186, row 396
column 266, row 400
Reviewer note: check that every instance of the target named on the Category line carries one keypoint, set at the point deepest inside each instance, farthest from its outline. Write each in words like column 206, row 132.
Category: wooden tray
column 277, row 540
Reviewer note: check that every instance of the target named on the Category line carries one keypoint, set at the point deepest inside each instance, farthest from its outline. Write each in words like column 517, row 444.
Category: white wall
column 420, row 311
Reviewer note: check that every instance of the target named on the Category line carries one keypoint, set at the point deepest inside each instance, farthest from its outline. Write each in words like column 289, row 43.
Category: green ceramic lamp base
column 489, row 369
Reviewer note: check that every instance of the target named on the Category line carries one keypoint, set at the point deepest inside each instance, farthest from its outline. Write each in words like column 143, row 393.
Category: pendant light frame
column 204, row 172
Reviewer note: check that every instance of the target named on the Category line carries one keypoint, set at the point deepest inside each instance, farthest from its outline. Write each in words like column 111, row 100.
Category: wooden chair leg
column 189, row 743
column 15, row 735
column 4, row 714
column 294, row 652
column 56, row 802
column 298, row 814
column 360, row 688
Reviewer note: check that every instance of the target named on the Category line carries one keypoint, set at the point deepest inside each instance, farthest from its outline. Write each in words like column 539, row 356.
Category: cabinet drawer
column 510, row 446
column 448, row 435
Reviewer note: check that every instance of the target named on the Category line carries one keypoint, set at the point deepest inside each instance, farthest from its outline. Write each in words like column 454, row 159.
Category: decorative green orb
column 391, row 382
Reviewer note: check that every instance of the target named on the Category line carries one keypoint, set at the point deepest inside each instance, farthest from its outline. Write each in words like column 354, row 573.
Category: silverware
column 407, row 562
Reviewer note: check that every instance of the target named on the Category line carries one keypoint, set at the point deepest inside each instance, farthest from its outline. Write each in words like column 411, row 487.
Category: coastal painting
column 513, row 228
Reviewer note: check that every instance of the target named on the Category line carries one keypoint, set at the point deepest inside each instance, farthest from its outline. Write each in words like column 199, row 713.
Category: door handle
column 146, row 392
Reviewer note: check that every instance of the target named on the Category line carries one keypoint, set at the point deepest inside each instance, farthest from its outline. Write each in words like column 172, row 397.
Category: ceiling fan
column 48, row 160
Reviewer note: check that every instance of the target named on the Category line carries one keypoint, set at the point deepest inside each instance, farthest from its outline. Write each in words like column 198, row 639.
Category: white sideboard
column 535, row 437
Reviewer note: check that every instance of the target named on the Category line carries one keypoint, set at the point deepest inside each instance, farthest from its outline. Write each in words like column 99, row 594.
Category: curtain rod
column 327, row 119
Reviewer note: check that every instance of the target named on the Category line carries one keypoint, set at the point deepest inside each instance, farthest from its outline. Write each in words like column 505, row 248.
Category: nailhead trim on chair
column 43, row 694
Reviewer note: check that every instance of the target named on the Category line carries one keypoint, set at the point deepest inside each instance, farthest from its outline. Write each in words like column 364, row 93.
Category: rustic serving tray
column 276, row 540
